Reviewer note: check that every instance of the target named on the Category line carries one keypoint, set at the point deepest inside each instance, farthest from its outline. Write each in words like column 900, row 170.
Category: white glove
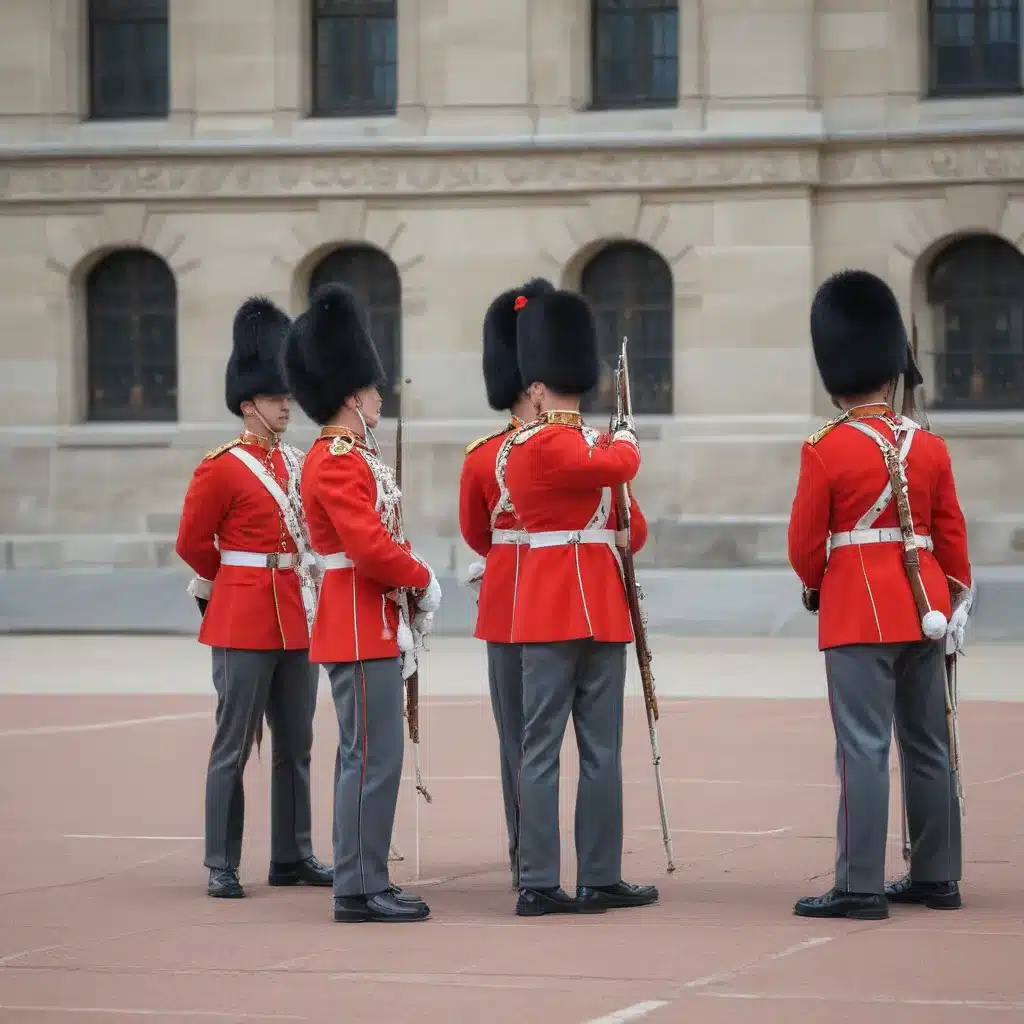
column 958, row 622
column 431, row 599
column 423, row 624
column 475, row 576
column 201, row 588
column 626, row 432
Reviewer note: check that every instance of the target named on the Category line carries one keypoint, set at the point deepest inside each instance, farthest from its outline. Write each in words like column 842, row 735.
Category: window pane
column 975, row 46
column 976, row 288
column 129, row 60
column 629, row 287
column 355, row 58
column 132, row 338
column 635, row 53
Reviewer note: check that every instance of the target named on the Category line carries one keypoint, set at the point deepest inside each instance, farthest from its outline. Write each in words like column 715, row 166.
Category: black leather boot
column 935, row 895
column 301, row 872
column 860, row 906
column 224, row 884
column 383, row 907
column 621, row 894
column 535, row 902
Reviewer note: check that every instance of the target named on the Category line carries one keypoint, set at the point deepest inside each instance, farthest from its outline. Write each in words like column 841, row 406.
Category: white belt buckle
column 575, row 537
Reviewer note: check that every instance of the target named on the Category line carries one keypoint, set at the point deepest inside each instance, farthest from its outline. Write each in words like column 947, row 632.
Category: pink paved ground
column 120, row 928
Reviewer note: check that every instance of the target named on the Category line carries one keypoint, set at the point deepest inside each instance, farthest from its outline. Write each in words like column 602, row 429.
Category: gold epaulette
column 489, row 437
column 826, row 429
column 222, row 449
column 342, row 444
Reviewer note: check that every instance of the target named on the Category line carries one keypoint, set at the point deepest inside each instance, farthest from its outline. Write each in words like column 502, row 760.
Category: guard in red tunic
column 491, row 529
column 372, row 583
column 570, row 612
column 242, row 531
column 846, row 545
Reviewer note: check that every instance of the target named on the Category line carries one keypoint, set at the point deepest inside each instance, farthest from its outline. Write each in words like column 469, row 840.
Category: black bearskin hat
column 254, row 366
column 501, row 361
column 329, row 354
column 557, row 343
column 857, row 332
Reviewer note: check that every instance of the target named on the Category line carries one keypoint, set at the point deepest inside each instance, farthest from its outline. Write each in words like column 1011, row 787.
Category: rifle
column 412, row 684
column 913, row 382
column 634, row 598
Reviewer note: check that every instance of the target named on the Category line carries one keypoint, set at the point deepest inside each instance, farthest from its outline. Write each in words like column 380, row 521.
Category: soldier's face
column 276, row 410
column 368, row 402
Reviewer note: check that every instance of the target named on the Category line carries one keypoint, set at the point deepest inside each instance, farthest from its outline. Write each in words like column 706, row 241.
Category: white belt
column 558, row 538
column 509, row 537
column 258, row 559
column 888, row 535
column 338, row 560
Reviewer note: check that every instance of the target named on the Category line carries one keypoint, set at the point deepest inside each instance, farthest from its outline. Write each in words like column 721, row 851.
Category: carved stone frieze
column 395, row 174
column 924, row 163
column 349, row 176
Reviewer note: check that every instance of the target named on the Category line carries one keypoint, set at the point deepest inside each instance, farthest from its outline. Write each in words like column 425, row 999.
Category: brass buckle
column 274, row 560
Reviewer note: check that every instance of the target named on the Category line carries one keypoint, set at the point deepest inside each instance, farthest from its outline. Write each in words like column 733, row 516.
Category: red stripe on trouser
column 362, row 781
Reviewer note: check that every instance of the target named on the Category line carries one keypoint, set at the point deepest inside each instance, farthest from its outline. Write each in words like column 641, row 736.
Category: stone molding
column 395, row 174
column 932, row 221
column 340, row 222
column 117, row 226
column 625, row 217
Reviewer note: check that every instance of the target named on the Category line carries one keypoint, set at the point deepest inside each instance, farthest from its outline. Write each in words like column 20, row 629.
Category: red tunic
column 346, row 509
column 478, row 496
column 865, row 596
column 560, row 477
column 227, row 508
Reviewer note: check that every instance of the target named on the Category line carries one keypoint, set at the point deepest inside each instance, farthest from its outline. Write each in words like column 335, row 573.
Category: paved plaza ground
column 104, row 917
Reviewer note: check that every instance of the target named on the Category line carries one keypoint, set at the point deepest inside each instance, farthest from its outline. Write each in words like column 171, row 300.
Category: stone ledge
column 698, row 603
column 687, row 542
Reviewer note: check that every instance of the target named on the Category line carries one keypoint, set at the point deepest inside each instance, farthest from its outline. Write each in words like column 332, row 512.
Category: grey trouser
column 868, row 686
column 281, row 684
column 586, row 679
column 367, row 771
column 505, row 675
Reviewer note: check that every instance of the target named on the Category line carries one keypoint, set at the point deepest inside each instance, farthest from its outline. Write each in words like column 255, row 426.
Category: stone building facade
column 697, row 167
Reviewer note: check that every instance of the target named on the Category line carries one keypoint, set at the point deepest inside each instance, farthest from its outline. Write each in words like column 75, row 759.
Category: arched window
column 634, row 53
column 974, row 47
column 132, row 324
column 630, row 289
column 976, row 290
column 374, row 279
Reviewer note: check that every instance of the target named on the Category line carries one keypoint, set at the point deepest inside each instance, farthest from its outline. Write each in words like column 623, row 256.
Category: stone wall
column 801, row 143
